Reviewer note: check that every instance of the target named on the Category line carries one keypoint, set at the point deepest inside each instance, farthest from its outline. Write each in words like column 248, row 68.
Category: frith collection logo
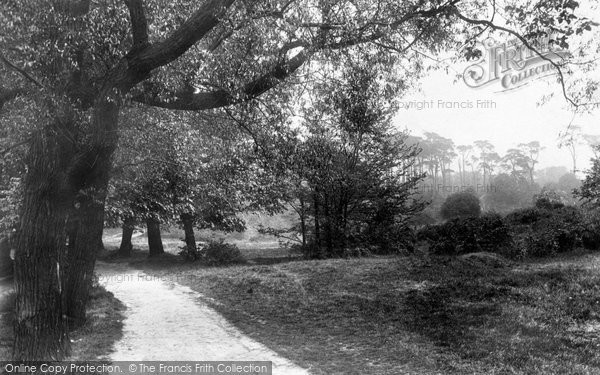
column 513, row 64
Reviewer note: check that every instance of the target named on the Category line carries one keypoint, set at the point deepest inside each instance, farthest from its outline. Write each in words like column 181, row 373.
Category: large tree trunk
column 90, row 173
column 40, row 327
column 190, row 238
column 62, row 186
column 126, row 245
column 81, row 257
column 154, row 241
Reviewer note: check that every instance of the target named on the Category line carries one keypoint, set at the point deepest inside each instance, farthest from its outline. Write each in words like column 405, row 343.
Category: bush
column 461, row 205
column 394, row 238
column 218, row 253
column 548, row 200
column 590, row 233
column 526, row 216
column 541, row 231
column 468, row 235
column 546, row 230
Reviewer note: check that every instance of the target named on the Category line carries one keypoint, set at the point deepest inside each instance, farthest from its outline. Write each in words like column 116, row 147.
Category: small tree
column 349, row 175
column 463, row 204
column 509, row 192
column 589, row 191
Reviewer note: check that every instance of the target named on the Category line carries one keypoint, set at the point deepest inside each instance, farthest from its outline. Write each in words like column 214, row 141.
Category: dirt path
column 167, row 321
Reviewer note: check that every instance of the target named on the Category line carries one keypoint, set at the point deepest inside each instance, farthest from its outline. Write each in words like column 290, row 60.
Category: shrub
column 540, row 231
column 546, row 230
column 525, row 216
column 461, row 205
column 218, row 253
column 468, row 235
column 548, row 200
column 590, row 233
column 390, row 239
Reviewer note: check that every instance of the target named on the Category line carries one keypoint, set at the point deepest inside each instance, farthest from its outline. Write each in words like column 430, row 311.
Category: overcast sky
column 509, row 118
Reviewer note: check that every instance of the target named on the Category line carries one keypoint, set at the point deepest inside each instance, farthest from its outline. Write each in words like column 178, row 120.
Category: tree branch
column 74, row 8
column 139, row 23
column 182, row 39
column 219, row 98
column 21, row 71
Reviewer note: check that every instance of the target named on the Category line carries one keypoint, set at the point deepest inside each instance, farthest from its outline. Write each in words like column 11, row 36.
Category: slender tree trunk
column 190, row 238
column 328, row 227
column 317, row 224
column 345, row 225
column 155, row 244
column 126, row 245
column 303, row 222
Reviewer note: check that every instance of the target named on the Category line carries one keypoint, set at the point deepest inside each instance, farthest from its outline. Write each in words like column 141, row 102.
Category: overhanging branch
column 20, row 71
column 139, row 23
column 162, row 53
column 191, row 101
column 182, row 39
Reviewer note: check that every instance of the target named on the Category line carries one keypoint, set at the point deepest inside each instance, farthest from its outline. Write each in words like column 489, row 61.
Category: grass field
column 254, row 245
column 410, row 315
column 92, row 341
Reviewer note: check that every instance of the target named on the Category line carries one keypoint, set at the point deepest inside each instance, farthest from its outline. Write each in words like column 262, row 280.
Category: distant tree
column 509, row 192
column 531, row 151
column 486, row 151
column 568, row 183
column 462, row 204
column 463, row 152
column 440, row 151
column 570, row 139
column 514, row 162
column 550, row 174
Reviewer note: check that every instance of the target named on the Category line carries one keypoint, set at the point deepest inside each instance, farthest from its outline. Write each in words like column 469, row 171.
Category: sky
column 505, row 118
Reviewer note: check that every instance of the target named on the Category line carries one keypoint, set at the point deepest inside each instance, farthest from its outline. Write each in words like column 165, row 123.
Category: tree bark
column 190, row 238
column 65, row 188
column 84, row 245
column 126, row 245
column 88, row 173
column 303, row 222
column 41, row 327
column 317, row 214
column 154, row 240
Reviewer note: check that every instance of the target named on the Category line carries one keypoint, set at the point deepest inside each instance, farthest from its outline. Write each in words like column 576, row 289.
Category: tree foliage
column 461, row 205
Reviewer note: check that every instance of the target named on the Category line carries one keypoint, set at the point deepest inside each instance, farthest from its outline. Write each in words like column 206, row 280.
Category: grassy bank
column 92, row 341
column 412, row 315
